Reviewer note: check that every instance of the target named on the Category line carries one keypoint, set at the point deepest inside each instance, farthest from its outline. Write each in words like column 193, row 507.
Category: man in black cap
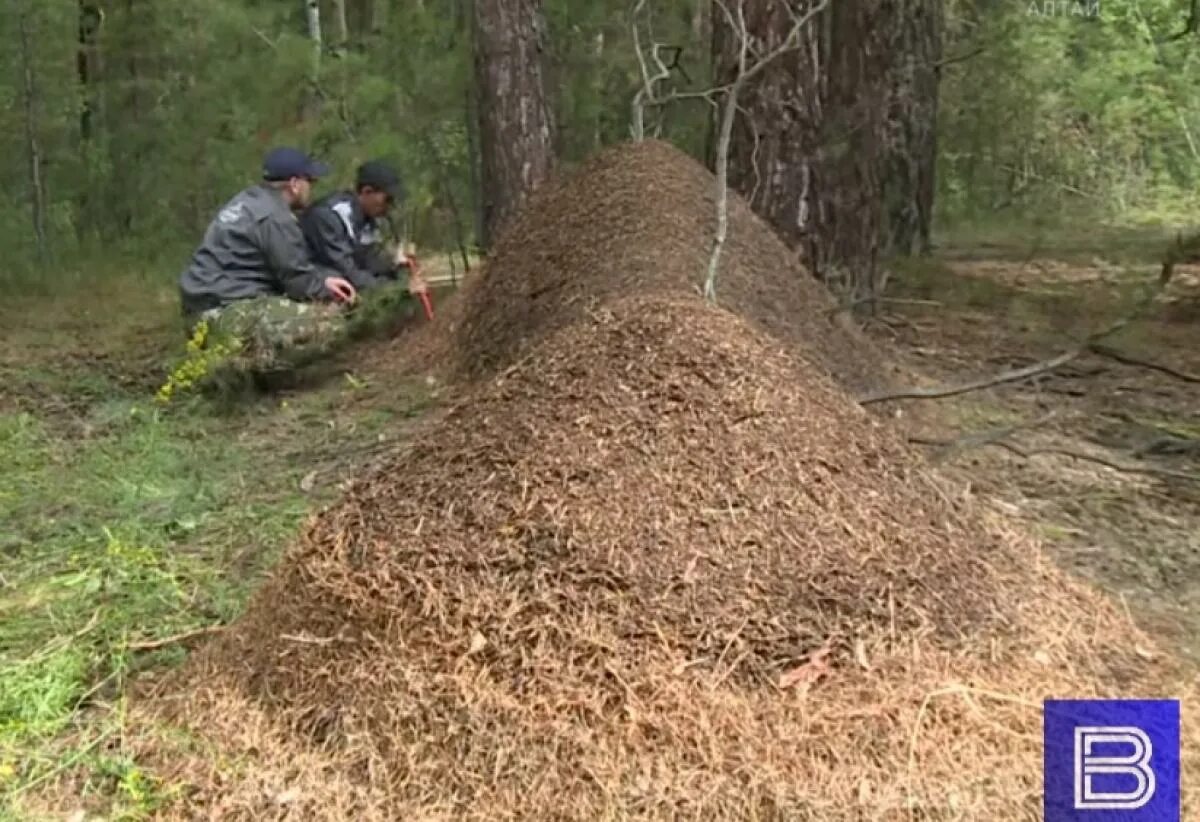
column 344, row 233
column 252, row 277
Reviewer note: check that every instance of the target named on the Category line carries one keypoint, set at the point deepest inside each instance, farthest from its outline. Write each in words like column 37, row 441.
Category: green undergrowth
column 124, row 522
column 1045, row 303
column 1076, row 240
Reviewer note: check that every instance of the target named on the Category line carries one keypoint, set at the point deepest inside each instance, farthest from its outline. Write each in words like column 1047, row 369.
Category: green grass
column 131, row 536
column 124, row 522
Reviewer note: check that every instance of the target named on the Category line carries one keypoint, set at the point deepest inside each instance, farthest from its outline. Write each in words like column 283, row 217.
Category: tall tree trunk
column 310, row 106
column 379, row 10
column 598, row 90
column 134, row 65
column 86, row 64
column 808, row 150
column 37, row 181
column 312, row 11
column 515, row 126
column 912, row 126
column 341, row 32
column 773, row 158
column 471, row 113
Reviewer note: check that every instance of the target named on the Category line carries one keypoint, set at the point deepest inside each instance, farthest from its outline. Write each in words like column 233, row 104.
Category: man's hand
column 341, row 289
column 416, row 284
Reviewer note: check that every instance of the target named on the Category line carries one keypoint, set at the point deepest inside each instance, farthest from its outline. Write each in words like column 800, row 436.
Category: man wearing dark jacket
column 252, row 277
column 344, row 233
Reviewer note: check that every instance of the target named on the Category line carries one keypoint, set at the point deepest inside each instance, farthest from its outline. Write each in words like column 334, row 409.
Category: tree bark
column 37, row 182
column 341, row 31
column 310, row 104
column 808, row 149
column 86, row 63
column 698, row 20
column 516, row 129
column 312, row 12
column 912, row 126
column 379, row 13
column 471, row 113
column 598, row 91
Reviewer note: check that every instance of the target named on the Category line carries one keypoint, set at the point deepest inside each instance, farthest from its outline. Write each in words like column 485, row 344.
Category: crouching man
column 252, row 278
column 344, row 234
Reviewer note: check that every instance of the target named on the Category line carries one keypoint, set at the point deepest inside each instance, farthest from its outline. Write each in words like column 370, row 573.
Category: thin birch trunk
column 37, row 182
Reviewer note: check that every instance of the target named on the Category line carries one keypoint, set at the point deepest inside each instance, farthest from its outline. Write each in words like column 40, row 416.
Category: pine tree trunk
column 598, row 91
column 773, row 149
column 471, row 114
column 341, row 32
column 379, row 10
column 515, row 127
column 912, row 126
column 37, row 182
column 312, row 11
column 86, row 63
column 808, row 150
column 88, row 67
column 310, row 105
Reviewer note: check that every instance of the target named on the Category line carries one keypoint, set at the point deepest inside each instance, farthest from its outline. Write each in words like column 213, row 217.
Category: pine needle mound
column 639, row 219
column 662, row 567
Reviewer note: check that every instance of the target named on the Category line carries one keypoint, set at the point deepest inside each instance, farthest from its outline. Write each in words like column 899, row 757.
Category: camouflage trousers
column 269, row 334
column 272, row 333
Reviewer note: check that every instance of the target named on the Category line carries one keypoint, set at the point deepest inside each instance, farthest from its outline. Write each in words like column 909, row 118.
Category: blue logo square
column 1111, row 760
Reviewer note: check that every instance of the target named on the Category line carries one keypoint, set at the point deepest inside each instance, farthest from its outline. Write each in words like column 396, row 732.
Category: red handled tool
column 401, row 258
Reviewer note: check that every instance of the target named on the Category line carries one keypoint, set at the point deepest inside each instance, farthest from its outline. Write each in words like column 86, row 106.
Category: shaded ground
column 1135, row 531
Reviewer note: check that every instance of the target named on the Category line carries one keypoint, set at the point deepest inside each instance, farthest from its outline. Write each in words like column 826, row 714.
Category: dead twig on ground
column 1126, row 359
column 155, row 644
column 996, row 439
column 977, row 439
column 938, row 392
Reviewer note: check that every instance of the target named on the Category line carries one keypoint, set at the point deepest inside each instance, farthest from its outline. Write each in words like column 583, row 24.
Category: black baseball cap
column 380, row 175
column 285, row 162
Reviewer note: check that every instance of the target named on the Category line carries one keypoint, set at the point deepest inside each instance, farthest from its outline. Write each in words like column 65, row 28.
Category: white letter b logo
column 1135, row 763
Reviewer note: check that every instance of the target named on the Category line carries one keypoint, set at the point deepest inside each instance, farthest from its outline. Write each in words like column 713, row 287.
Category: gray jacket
column 254, row 247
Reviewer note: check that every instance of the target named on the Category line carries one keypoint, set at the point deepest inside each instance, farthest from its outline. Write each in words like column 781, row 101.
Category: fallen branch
column 155, row 644
column 1115, row 466
column 978, row 439
column 937, row 392
column 1028, row 453
column 1114, row 354
column 1169, row 445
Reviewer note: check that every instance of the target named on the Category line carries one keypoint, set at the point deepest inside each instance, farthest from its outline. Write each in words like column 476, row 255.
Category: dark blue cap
column 284, row 163
column 380, row 175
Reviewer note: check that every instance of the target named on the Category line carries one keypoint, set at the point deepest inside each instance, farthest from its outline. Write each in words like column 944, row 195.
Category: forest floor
column 124, row 524
column 1099, row 457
